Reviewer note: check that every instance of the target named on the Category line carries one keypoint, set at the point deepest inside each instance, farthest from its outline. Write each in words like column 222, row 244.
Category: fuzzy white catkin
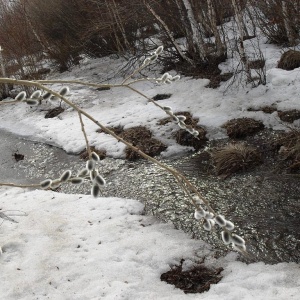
column 55, row 183
column 195, row 132
column 99, row 180
column 65, row 176
column 36, row 95
column 226, row 237
column 146, row 61
column 239, row 248
column 95, row 156
column 83, row 173
column 95, row 191
column 181, row 125
column 64, row 91
column 93, row 174
column 45, row 183
column 175, row 78
column 76, row 180
column 21, row 96
column 200, row 212
column 165, row 77
column 181, row 118
column 47, row 95
column 207, row 225
column 32, row 102
column 90, row 165
column 167, row 108
column 209, row 215
column 237, row 240
column 159, row 50
column 153, row 57
column 229, row 225
column 220, row 220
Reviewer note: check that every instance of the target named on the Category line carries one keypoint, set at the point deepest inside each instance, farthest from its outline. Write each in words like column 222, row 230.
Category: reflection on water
column 265, row 207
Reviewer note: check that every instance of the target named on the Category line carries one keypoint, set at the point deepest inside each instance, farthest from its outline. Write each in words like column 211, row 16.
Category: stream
column 264, row 206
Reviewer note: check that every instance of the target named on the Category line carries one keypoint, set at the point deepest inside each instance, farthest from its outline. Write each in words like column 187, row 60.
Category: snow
column 77, row 247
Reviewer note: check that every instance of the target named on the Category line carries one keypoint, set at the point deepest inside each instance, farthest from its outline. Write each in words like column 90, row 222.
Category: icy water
column 264, row 206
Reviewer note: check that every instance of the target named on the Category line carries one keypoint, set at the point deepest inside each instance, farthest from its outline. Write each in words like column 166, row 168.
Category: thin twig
column 88, row 148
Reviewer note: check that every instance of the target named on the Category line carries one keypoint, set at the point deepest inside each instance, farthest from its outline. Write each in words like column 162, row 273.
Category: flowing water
column 264, row 206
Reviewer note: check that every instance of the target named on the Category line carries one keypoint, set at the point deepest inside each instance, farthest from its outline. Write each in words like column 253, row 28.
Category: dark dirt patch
column 140, row 137
column 161, row 97
column 257, row 64
column 54, row 112
column 18, row 156
column 265, row 109
column 84, row 154
column 203, row 69
column 289, row 116
column 103, row 88
column 189, row 119
column 289, row 60
column 242, row 127
column 216, row 80
column 197, row 280
column 248, row 37
column 233, row 158
column 184, row 138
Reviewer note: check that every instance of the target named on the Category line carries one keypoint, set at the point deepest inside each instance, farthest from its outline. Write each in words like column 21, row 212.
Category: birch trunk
column 3, row 71
column 197, row 38
column 288, row 29
column 168, row 32
column 241, row 47
column 194, row 35
column 221, row 48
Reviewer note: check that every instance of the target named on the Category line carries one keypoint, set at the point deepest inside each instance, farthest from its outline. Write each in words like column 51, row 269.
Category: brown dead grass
column 196, row 280
column 233, row 158
column 140, row 137
column 242, row 127
column 289, row 116
column 289, row 60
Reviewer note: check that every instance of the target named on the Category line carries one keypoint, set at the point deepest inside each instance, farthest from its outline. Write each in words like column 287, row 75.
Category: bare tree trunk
column 120, row 25
column 221, row 48
column 3, row 71
column 193, row 35
column 288, row 29
column 168, row 32
column 241, row 47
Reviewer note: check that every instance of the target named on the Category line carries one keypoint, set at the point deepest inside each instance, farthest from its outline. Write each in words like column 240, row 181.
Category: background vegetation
column 64, row 30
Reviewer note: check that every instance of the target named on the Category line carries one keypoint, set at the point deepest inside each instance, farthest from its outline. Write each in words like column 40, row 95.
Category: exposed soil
column 289, row 60
column 289, row 116
column 265, row 109
column 140, row 137
column 183, row 137
column 242, row 127
column 196, row 280
column 161, row 97
column 54, row 112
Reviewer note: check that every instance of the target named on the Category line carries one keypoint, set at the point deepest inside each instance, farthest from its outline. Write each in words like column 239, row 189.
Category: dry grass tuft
column 289, row 60
column 235, row 157
column 242, row 127
column 196, row 280
column 140, row 137
column 289, row 116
